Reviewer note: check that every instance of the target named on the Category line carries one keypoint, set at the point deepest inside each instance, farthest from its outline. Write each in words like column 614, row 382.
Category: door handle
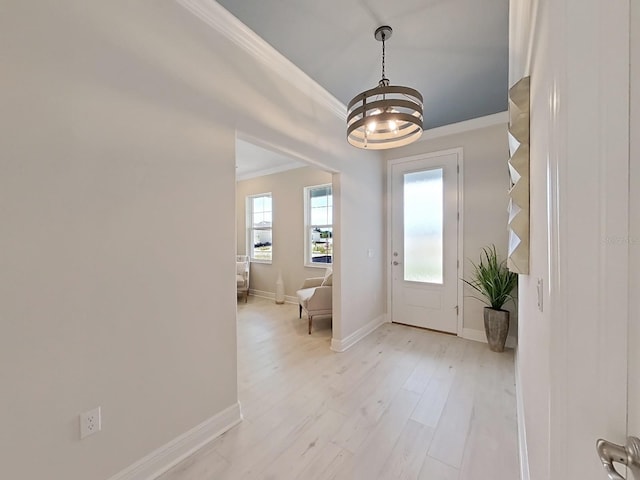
column 396, row 263
column 628, row 455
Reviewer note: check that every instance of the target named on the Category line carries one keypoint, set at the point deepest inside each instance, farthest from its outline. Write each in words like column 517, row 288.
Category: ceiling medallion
column 386, row 116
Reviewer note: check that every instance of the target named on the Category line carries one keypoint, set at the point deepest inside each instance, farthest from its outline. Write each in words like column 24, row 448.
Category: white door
column 621, row 448
column 424, row 241
column 633, row 414
column 633, row 367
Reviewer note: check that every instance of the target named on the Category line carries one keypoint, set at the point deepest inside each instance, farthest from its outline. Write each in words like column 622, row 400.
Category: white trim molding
column 223, row 22
column 281, row 150
column 522, row 432
column 272, row 296
column 480, row 336
column 270, row 171
column 460, row 270
column 169, row 455
column 466, row 126
column 459, row 152
column 343, row 345
column 523, row 36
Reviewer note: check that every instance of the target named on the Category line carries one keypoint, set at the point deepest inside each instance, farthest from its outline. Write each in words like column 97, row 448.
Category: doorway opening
column 285, row 226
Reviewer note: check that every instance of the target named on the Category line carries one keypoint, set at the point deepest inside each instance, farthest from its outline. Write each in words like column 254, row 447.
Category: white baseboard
column 480, row 336
column 272, row 296
column 167, row 456
column 522, row 432
column 344, row 344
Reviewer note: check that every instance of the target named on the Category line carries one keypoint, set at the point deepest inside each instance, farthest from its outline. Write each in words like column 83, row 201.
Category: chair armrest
column 312, row 282
column 321, row 299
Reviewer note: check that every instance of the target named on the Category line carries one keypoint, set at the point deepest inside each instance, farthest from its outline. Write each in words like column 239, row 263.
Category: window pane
column 259, row 228
column 318, row 201
column 423, row 226
column 261, row 204
column 258, row 218
column 261, row 211
column 261, row 245
column 321, row 191
column 258, row 204
column 320, row 216
column 319, row 205
column 321, row 245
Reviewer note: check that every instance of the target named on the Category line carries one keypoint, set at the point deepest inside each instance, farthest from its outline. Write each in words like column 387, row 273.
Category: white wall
column 108, row 291
column 485, row 197
column 117, row 241
column 533, row 369
column 287, row 190
column 359, row 288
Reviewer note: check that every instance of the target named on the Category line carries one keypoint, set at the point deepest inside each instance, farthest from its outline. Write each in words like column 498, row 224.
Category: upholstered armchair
column 242, row 275
column 315, row 296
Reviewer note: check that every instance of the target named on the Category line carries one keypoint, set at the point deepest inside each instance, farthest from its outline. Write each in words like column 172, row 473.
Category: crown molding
column 270, row 171
column 466, row 126
column 221, row 20
column 276, row 148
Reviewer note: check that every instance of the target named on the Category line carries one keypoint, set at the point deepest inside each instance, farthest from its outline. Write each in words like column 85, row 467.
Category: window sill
column 319, row 265
column 264, row 262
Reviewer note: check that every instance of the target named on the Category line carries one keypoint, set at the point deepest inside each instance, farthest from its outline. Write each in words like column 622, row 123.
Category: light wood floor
column 403, row 403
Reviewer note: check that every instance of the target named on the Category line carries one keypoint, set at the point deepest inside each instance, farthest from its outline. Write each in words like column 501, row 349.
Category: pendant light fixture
column 386, row 116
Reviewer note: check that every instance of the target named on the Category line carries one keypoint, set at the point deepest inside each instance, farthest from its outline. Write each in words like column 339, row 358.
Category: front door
column 424, row 263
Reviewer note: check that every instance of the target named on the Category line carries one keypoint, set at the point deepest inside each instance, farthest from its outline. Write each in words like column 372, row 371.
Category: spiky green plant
column 492, row 280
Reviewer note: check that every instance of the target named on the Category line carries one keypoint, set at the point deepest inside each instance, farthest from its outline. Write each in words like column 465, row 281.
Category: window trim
column 307, row 226
column 250, row 228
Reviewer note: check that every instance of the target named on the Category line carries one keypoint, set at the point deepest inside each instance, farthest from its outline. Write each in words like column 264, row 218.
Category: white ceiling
column 455, row 52
column 253, row 161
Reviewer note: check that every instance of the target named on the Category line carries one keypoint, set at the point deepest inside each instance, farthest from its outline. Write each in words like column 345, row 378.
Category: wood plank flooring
column 403, row 404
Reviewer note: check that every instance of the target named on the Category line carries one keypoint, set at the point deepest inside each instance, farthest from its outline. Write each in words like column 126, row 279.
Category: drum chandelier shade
column 386, row 116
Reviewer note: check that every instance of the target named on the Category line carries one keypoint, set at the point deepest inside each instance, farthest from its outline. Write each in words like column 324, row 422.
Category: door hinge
column 456, row 310
column 458, row 168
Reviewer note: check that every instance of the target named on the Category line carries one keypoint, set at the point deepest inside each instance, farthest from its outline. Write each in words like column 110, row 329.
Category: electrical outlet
column 90, row 422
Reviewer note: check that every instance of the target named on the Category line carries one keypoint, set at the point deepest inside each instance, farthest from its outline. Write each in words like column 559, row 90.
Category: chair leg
column 300, row 312
column 310, row 320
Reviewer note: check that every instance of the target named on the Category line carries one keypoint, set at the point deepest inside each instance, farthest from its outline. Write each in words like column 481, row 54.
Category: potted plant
column 494, row 282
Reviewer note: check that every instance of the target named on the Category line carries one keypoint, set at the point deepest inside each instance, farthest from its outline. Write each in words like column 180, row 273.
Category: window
column 424, row 226
column 259, row 227
column 318, row 225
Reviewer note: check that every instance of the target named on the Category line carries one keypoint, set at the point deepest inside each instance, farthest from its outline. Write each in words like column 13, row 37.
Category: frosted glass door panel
column 423, row 226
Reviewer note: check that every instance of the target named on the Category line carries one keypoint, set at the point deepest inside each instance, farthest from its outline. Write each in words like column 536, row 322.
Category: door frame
column 459, row 151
